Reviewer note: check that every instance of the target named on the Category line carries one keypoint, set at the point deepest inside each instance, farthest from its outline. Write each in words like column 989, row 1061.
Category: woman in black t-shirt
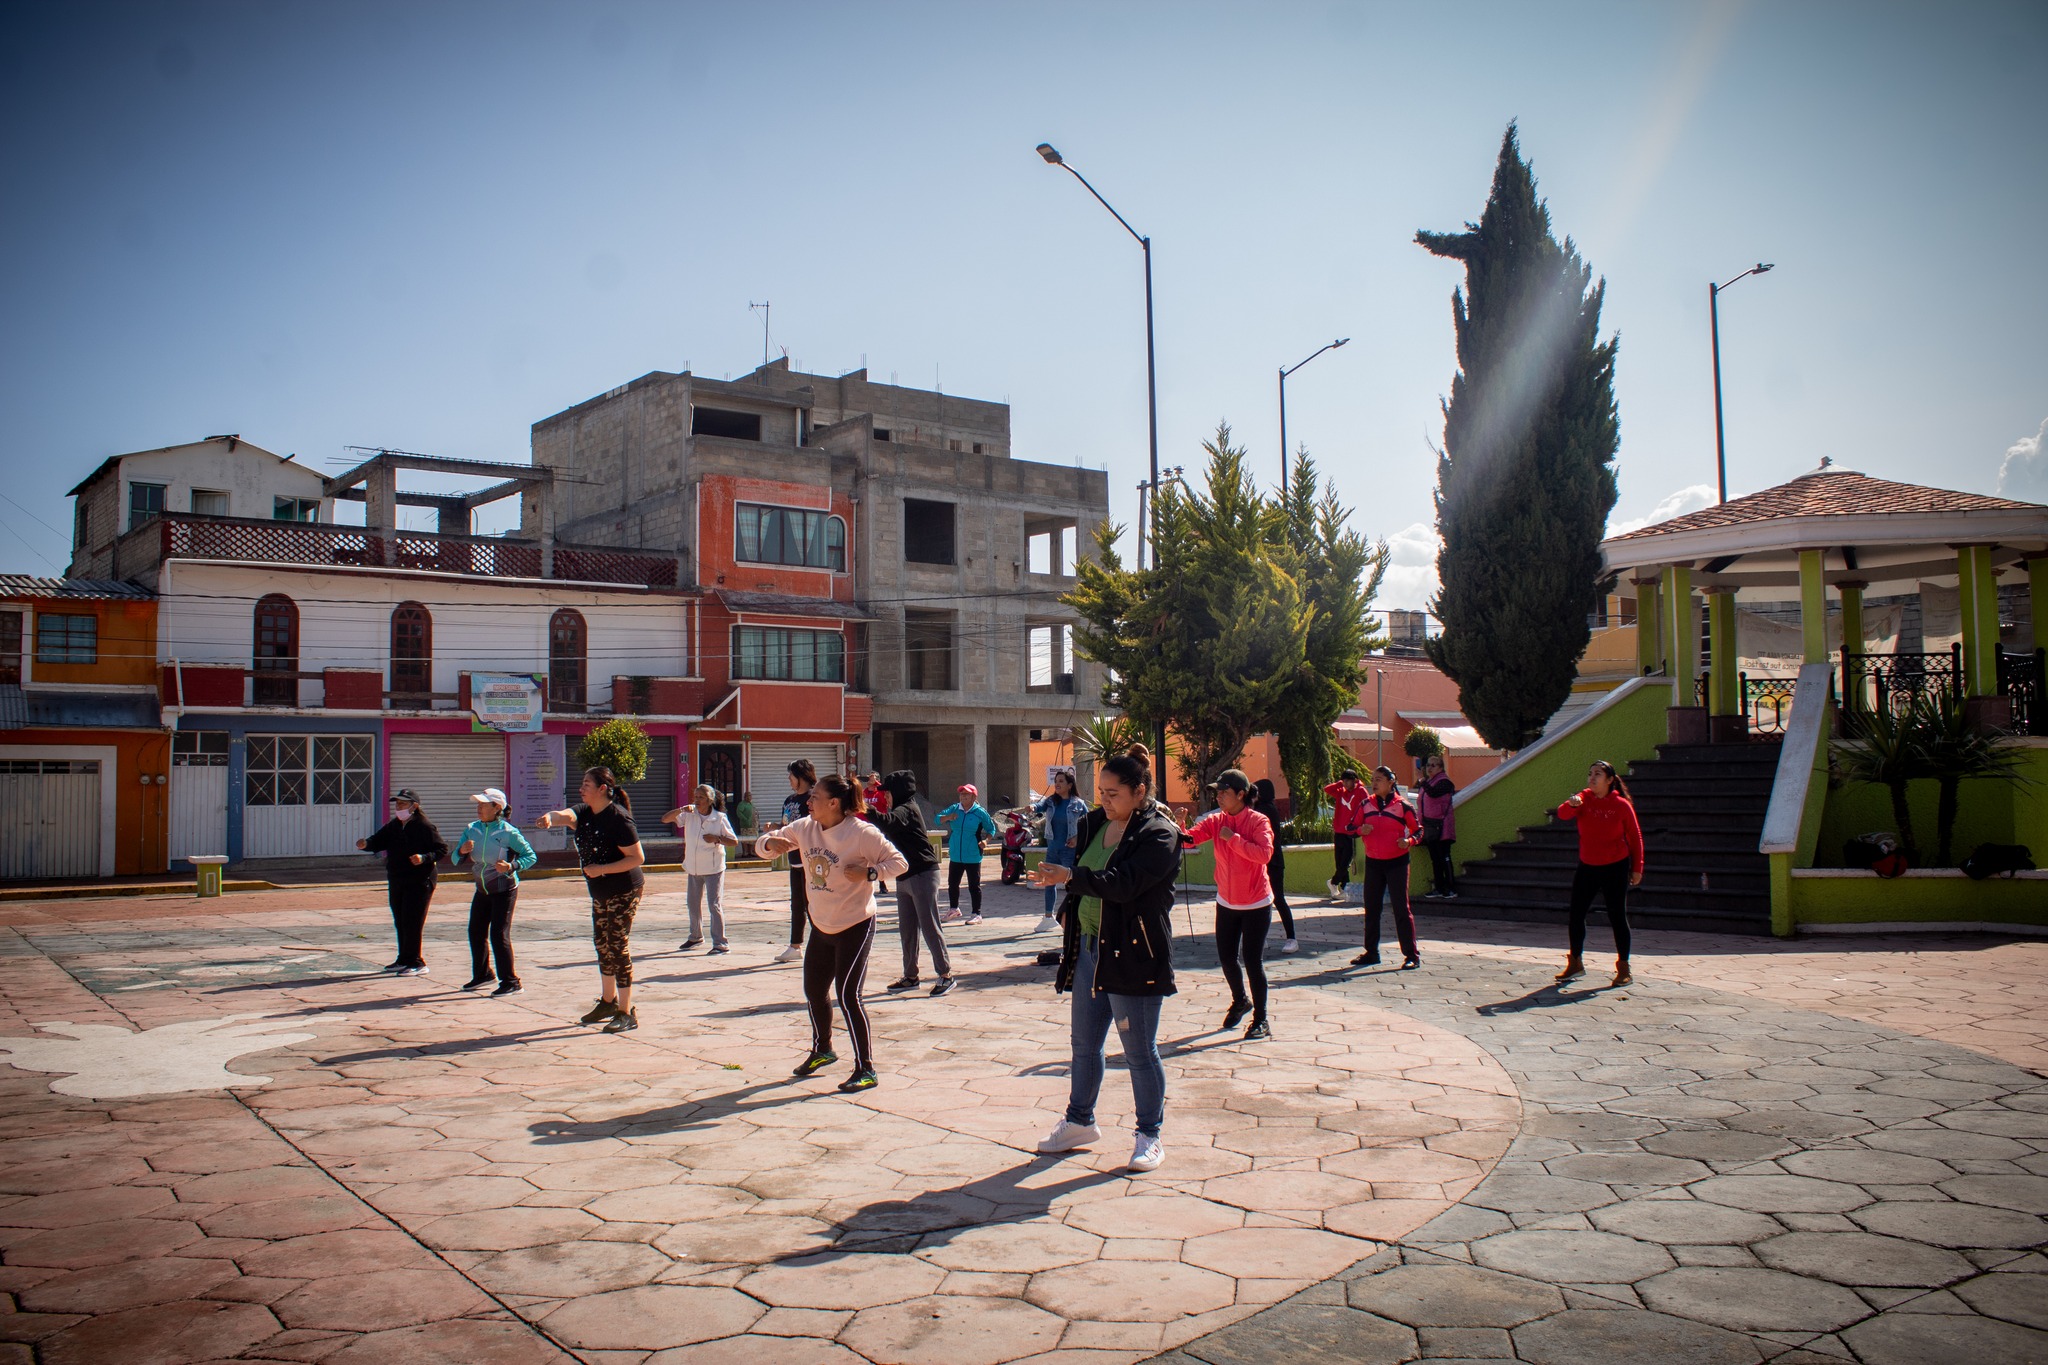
column 803, row 775
column 608, row 846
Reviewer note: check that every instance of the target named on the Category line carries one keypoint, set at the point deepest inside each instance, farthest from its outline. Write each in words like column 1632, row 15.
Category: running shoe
column 507, row 988
column 1147, row 1153
column 1449, row 896
column 624, row 1021
column 691, row 943
column 1067, row 1136
column 793, row 953
column 421, row 970
column 398, row 966
column 944, row 985
column 1410, row 963
column 1234, row 1016
column 1336, row 890
column 863, row 1079
column 1046, row 925
column 1289, row 946
column 908, row 983
column 601, row 1011
column 974, row 918
column 1258, row 1032
column 476, row 981
column 951, row 914
column 815, row 1063
column 1366, row 960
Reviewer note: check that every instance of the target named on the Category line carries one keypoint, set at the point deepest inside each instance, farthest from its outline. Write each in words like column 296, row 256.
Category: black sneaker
column 598, row 1013
column 864, row 1079
column 476, row 981
column 815, row 1063
column 624, row 1021
column 507, row 988
column 1258, row 1032
column 1410, row 963
column 1234, row 1016
column 908, row 983
column 398, row 966
column 1366, row 960
column 691, row 943
column 944, row 985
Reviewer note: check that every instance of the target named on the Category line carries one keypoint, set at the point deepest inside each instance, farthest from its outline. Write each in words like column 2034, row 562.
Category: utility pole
column 764, row 306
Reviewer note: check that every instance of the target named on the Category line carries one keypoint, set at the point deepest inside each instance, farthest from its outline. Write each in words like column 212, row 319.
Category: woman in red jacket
column 1390, row 828
column 1610, row 862
column 1244, row 896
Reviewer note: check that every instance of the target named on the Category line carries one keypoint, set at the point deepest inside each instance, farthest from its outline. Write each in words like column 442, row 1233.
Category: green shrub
column 617, row 744
column 1422, row 742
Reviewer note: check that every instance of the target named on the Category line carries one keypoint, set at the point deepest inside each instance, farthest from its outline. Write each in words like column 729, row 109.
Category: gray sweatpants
column 699, row 889
column 917, row 911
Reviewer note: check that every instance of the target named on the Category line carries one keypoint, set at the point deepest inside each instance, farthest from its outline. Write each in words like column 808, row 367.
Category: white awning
column 1463, row 740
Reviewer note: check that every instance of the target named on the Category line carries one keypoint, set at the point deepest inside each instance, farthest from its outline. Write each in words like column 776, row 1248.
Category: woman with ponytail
column 608, row 846
column 1610, row 862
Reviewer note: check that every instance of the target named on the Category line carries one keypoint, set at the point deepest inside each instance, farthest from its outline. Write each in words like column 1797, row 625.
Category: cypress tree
column 1525, row 479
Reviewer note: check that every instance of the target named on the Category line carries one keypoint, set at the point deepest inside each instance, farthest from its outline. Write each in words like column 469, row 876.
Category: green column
column 1852, row 631
column 1649, row 639
column 1674, row 623
column 1979, row 602
column 2037, row 598
column 1724, row 689
column 1813, row 607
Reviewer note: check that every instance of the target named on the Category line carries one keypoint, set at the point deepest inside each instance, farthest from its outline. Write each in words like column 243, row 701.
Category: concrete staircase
column 1702, row 811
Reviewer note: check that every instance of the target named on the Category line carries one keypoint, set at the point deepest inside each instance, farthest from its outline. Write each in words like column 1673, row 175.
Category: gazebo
column 1841, row 535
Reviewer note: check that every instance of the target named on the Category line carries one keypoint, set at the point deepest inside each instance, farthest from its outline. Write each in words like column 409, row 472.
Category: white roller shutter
column 49, row 818
column 768, row 770
column 446, row 770
column 653, row 796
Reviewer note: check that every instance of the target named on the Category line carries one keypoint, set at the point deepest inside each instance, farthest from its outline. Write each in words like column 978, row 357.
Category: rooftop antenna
column 764, row 306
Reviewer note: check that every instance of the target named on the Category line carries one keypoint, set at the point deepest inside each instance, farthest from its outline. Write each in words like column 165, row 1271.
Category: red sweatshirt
column 1241, row 880
column 1350, row 813
column 1388, row 828
column 1608, row 831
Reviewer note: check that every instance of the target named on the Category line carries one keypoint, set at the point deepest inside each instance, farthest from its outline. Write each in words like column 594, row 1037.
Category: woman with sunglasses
column 1610, row 862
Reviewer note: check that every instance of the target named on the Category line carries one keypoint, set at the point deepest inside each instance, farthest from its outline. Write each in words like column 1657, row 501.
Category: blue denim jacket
column 1062, row 817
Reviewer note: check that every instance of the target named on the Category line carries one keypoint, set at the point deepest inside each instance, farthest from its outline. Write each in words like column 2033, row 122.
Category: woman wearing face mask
column 1610, row 862
column 1117, row 958
column 412, row 850
column 1439, row 827
column 499, row 853
column 608, row 846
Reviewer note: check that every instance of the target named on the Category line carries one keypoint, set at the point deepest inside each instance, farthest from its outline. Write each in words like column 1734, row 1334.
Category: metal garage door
column 653, row 796
column 446, row 770
column 199, row 793
column 49, row 817
column 768, row 771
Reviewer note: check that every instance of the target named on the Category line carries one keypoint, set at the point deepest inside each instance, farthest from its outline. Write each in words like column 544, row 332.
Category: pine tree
column 1525, row 478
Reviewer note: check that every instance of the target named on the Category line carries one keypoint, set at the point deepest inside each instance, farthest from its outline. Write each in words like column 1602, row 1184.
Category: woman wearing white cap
column 499, row 853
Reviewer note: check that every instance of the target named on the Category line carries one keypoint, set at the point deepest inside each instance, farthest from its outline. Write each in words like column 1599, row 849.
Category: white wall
column 251, row 477
column 206, row 614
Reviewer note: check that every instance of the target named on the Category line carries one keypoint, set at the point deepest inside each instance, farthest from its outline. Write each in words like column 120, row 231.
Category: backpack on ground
column 1877, row 853
column 1991, row 860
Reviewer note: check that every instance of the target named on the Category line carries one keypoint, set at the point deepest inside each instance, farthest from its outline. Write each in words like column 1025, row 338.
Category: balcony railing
column 177, row 535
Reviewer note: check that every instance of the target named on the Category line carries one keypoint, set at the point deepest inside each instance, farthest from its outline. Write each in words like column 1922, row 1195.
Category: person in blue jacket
column 498, row 853
column 1063, row 810
column 966, row 823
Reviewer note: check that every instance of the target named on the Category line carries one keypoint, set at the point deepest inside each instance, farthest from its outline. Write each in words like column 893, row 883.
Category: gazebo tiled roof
column 1830, row 493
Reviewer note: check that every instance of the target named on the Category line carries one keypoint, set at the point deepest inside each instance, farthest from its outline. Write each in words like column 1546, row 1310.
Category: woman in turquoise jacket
column 498, row 853
column 966, row 823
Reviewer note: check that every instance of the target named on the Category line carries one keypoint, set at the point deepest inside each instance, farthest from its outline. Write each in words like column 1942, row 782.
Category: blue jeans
column 1058, row 857
column 1137, row 1024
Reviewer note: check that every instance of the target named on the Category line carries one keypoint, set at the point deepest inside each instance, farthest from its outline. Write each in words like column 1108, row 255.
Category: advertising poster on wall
column 537, row 765
column 505, row 702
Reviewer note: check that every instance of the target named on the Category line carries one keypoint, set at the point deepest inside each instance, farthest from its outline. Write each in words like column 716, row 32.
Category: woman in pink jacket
column 1244, row 896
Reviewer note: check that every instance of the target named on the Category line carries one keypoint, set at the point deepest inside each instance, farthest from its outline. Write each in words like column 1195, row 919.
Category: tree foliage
column 618, row 744
column 1525, row 478
column 1423, row 743
column 1253, row 619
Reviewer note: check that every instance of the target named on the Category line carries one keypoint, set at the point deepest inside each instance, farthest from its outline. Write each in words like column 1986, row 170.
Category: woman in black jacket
column 413, row 850
column 1118, row 952
column 1268, row 805
column 917, row 890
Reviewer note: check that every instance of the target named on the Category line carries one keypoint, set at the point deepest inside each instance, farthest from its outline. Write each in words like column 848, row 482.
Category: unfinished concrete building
column 810, row 506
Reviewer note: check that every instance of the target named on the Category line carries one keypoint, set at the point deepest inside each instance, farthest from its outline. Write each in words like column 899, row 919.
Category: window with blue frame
column 67, row 639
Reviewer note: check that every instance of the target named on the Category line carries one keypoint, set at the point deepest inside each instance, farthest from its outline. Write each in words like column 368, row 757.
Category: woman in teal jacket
column 966, row 823
column 498, row 853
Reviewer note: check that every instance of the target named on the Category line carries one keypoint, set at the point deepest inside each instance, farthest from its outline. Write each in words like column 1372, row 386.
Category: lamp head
column 1050, row 153
column 1761, row 267
column 1340, row 341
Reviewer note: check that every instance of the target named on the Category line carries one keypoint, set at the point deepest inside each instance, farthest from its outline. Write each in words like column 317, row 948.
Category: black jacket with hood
column 904, row 824
column 1134, row 954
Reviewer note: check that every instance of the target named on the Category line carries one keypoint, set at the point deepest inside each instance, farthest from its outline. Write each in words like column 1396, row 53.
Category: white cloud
column 2024, row 474
column 1689, row 499
column 1411, row 568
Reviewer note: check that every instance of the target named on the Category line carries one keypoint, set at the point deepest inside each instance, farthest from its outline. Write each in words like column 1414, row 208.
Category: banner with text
column 538, row 765
column 506, row 702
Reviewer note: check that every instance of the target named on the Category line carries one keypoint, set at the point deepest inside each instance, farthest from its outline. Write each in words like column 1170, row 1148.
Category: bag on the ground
column 1877, row 853
column 1992, row 860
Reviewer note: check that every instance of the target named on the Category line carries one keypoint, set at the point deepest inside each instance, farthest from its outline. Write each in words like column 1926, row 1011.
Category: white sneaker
column 1336, row 890
column 1289, row 946
column 1046, row 925
column 974, row 918
column 793, row 953
column 951, row 914
column 1066, row 1136
column 1147, row 1154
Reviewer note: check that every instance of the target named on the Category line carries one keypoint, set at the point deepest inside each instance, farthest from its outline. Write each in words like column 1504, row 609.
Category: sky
column 426, row 227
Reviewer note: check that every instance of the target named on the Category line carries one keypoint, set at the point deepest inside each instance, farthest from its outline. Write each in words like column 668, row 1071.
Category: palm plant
column 1104, row 737
column 1951, row 750
column 1884, row 748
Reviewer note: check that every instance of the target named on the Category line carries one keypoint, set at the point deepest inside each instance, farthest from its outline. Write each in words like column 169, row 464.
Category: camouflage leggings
column 611, row 926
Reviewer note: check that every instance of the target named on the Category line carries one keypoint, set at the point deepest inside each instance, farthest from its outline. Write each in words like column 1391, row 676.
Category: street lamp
column 1284, row 372
column 1714, row 325
column 1052, row 158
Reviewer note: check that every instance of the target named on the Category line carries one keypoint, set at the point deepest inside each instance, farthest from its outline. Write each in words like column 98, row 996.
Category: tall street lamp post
column 1284, row 372
column 1052, row 158
column 1714, row 326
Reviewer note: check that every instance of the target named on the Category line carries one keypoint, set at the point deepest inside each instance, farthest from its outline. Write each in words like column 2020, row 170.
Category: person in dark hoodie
column 917, row 890
column 413, row 850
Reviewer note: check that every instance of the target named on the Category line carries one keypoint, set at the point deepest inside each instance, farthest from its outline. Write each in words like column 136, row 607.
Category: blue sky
column 428, row 226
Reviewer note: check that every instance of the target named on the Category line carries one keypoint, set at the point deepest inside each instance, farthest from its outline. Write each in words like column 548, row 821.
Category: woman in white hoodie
column 840, row 857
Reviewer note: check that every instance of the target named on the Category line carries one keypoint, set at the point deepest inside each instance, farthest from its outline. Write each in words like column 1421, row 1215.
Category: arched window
column 568, row 661
column 274, row 665
column 412, row 654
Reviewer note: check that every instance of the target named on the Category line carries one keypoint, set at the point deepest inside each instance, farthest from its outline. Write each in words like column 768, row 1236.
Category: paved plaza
column 225, row 1135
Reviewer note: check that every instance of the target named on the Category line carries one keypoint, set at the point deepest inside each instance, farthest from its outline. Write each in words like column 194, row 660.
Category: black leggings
column 838, row 963
column 1440, row 867
column 490, row 932
column 1388, row 877
column 1610, row 880
column 1344, row 851
column 973, row 874
column 409, row 901
column 799, row 898
column 1276, row 873
column 1244, row 931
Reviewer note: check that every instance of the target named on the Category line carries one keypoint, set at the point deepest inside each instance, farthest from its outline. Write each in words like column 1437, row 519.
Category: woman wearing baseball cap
column 413, row 850
column 498, row 853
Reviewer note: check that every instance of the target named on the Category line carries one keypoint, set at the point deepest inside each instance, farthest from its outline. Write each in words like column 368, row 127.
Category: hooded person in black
column 917, row 890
